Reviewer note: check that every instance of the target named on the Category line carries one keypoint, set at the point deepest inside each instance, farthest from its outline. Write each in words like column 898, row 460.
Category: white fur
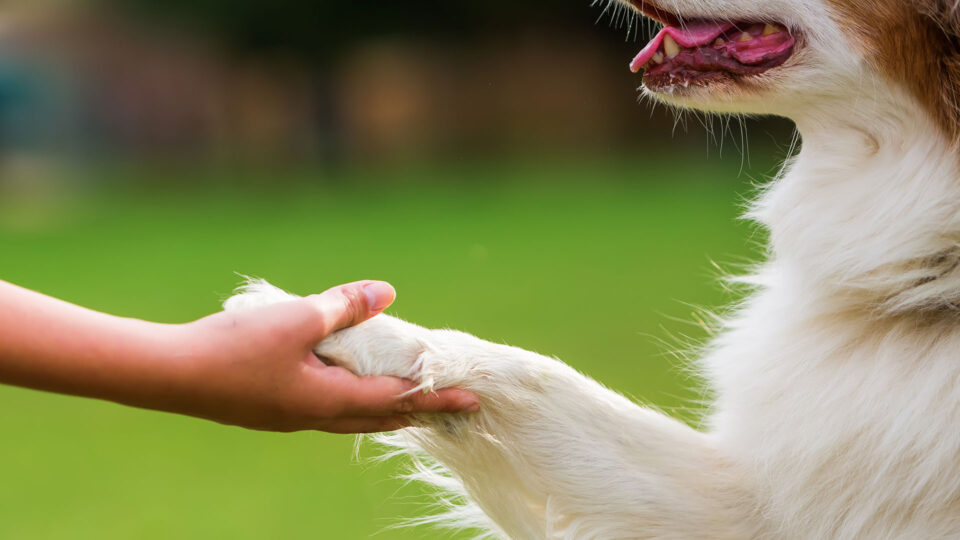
column 837, row 384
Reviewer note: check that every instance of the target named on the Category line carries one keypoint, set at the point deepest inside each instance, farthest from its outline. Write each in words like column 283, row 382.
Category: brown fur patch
column 916, row 43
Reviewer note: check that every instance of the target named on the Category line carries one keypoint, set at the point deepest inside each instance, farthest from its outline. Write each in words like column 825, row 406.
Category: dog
column 836, row 384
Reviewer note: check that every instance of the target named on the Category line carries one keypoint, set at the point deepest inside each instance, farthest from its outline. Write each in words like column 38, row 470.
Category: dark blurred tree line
column 322, row 30
column 292, row 79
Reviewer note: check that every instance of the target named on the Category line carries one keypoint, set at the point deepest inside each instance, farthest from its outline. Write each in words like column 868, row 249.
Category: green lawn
column 593, row 261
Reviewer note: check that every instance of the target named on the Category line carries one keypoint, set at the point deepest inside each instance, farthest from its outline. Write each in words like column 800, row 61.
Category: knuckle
column 406, row 405
column 355, row 302
column 317, row 318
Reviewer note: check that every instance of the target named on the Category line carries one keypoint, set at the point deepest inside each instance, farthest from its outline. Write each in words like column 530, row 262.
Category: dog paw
column 382, row 345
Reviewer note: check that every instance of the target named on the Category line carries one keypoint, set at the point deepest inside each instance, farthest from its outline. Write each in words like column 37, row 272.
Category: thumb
column 351, row 304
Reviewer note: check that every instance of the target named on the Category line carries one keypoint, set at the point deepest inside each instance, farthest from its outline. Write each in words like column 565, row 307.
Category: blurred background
column 490, row 158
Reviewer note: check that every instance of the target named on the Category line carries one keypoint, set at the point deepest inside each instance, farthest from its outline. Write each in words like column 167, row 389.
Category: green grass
column 593, row 262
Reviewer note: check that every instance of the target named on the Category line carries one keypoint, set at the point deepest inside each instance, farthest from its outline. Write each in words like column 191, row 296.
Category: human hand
column 255, row 368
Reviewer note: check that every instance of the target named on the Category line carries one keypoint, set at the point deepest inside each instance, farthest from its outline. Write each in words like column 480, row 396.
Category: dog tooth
column 769, row 29
column 745, row 37
column 658, row 57
column 670, row 46
column 719, row 41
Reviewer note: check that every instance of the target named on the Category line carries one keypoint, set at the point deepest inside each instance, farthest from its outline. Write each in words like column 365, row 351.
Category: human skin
column 252, row 368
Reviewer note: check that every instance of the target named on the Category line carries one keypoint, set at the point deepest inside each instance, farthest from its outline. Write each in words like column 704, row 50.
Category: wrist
column 163, row 369
column 131, row 361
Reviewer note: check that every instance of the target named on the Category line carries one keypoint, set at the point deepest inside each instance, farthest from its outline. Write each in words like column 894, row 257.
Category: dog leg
column 552, row 453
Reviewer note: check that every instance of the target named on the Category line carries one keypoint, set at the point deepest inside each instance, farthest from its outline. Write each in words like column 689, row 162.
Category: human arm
column 253, row 368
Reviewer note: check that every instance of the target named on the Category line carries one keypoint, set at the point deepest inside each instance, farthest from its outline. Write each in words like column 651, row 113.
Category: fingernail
column 379, row 295
column 472, row 408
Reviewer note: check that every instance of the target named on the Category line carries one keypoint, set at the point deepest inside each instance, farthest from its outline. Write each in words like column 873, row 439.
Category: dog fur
column 836, row 384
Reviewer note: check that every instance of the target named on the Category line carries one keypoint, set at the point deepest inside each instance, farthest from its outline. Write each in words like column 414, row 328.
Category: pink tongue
column 693, row 34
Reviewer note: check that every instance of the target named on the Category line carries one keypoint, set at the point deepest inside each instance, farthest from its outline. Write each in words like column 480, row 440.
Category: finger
column 350, row 304
column 447, row 400
column 374, row 424
column 365, row 396
column 382, row 396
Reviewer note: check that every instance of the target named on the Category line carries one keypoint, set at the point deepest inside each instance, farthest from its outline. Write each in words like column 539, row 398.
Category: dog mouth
column 699, row 51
